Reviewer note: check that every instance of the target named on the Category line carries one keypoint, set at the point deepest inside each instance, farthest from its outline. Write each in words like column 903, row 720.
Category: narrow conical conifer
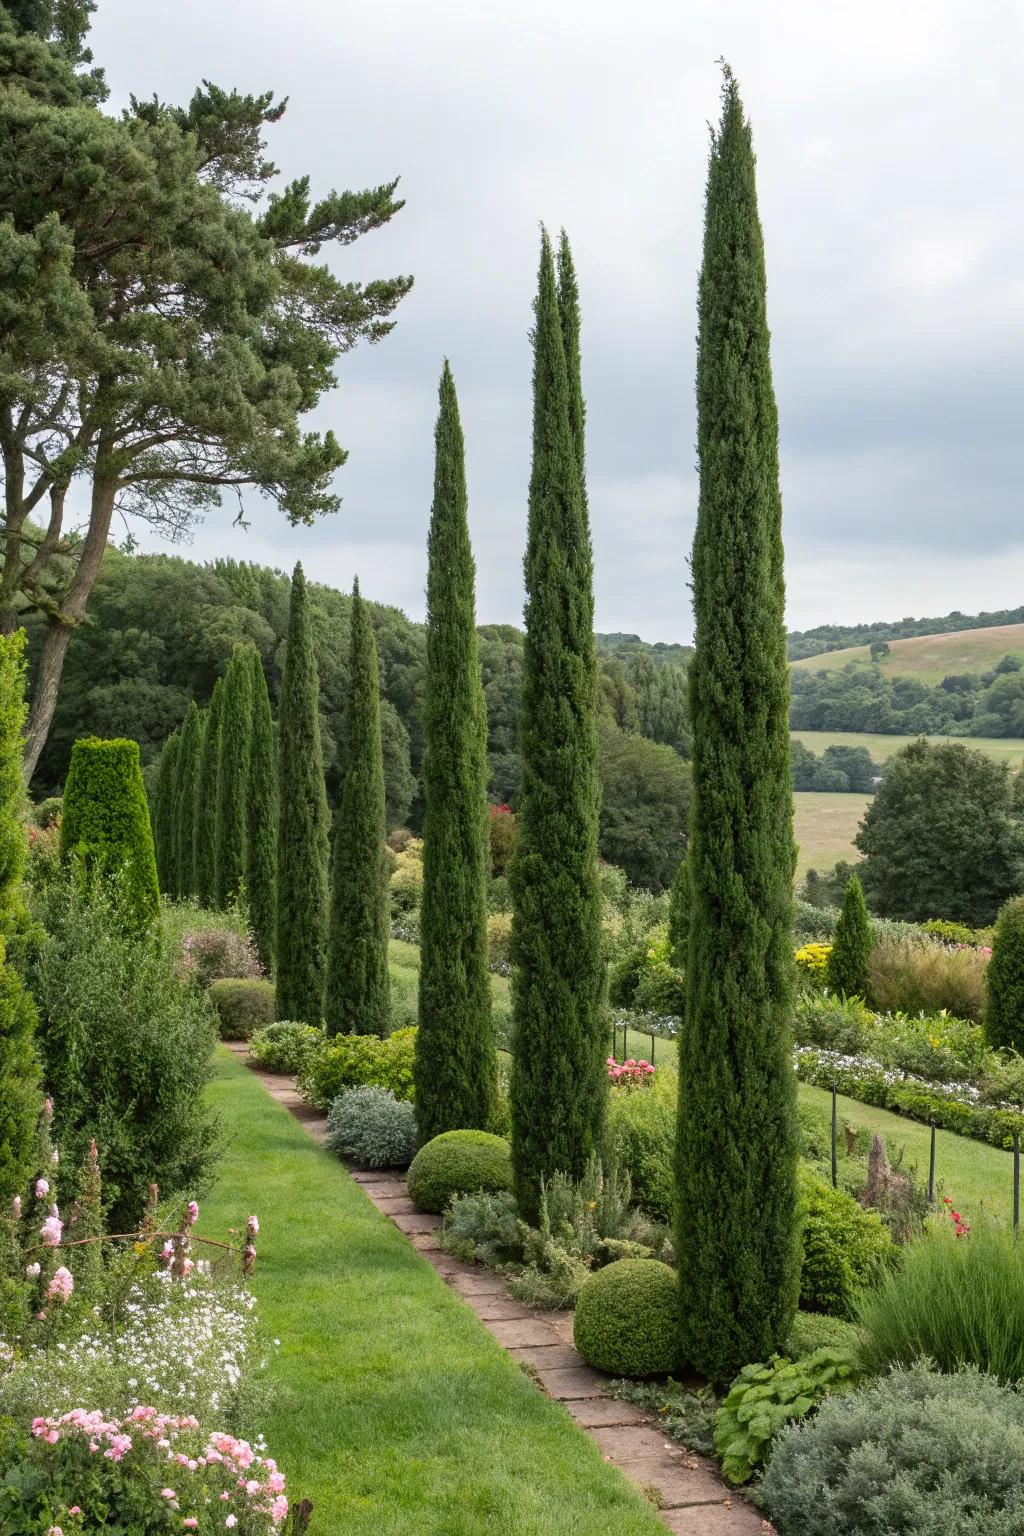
column 737, row 1241
column 233, row 776
column 679, row 915
column 569, row 314
column 164, row 841
column 261, row 825
column 358, row 987
column 302, row 840
column 185, row 782
column 851, row 944
column 558, row 1087
column 455, row 1066
column 204, row 829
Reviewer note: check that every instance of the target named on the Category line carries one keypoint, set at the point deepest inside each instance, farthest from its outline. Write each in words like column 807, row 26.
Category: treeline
column 859, row 697
column 836, row 637
column 839, row 770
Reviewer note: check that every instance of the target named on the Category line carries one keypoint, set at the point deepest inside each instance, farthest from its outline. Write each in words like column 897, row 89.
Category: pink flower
column 16, row 1207
column 279, row 1509
column 275, row 1482
column 168, row 1493
column 61, row 1286
column 253, row 1226
column 190, row 1523
column 76, row 1509
column 55, row 1530
column 186, row 1267
column 193, row 1213
column 231, row 1520
column 51, row 1230
column 42, row 1189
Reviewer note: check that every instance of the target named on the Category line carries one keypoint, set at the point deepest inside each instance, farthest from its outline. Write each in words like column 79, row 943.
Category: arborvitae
column 737, row 1244
column 261, row 827
column 204, row 829
column 455, row 1067
column 358, row 987
column 185, row 779
column 558, row 1087
column 679, row 915
column 105, row 824
column 164, row 843
column 851, row 944
column 301, row 946
column 1004, row 980
column 233, row 776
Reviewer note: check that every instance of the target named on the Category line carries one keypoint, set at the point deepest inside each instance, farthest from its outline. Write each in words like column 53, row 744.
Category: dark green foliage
column 765, row 1398
column 164, row 843
column 185, row 782
column 204, row 828
column 243, row 1005
column 20, row 1098
column 106, row 825
column 627, row 1319
column 261, row 822
column 847, row 970
column 940, row 838
column 558, row 1085
column 845, row 1248
column 679, row 915
column 301, row 945
column 914, row 1454
column 234, row 751
column 357, row 999
column 458, row 1163
column 645, row 806
column 738, row 1242
column 1004, row 979
column 456, row 1067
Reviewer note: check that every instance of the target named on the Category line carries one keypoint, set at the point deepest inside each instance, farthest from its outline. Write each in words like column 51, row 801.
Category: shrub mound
column 285, row 1046
column 627, row 1319
column 458, row 1163
column 845, row 1249
column 372, row 1127
column 355, row 1061
column 242, row 1006
column 642, row 1131
column 914, row 1454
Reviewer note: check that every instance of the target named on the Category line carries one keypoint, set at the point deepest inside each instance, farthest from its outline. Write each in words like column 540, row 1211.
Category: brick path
column 690, row 1497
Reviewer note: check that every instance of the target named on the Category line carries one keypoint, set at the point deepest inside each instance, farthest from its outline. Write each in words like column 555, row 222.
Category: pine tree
column 738, row 1247
column 185, row 779
column 302, row 845
column 358, row 986
column 261, row 826
column 204, row 830
column 851, row 944
column 105, row 825
column 164, row 843
column 233, row 777
column 558, row 1087
column 455, row 1066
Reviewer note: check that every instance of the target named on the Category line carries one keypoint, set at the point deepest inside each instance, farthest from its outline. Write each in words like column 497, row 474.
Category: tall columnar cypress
column 737, row 1241
column 558, row 1087
column 851, row 944
column 358, row 987
column 302, row 842
column 164, row 841
column 185, row 780
column 233, row 776
column 455, row 1067
column 261, row 824
column 204, row 828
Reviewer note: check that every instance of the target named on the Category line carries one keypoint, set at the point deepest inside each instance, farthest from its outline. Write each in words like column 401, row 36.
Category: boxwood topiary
column 845, row 1248
column 458, row 1163
column 627, row 1319
column 242, row 1006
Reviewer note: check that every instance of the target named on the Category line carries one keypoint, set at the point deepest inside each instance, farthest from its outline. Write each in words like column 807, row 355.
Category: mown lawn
column 397, row 1412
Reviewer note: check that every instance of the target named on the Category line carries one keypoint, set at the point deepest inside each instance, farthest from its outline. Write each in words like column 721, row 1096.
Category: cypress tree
column 186, row 775
column 204, row 829
column 455, row 1067
column 558, row 1086
column 737, row 1241
column 358, row 986
column 163, row 825
column 851, row 944
column 261, row 825
column 105, row 824
column 1004, row 980
column 233, row 777
column 302, row 843
column 679, row 915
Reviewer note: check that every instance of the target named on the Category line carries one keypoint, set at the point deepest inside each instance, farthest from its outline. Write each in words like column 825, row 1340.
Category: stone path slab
column 690, row 1497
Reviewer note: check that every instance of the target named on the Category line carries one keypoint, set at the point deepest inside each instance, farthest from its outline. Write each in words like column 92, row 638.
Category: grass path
column 397, row 1412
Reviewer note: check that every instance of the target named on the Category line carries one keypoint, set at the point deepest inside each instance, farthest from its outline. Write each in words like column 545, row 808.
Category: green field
column 1004, row 749
column 931, row 657
column 825, row 826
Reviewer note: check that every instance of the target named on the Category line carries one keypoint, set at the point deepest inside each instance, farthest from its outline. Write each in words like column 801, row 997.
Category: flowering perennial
column 629, row 1073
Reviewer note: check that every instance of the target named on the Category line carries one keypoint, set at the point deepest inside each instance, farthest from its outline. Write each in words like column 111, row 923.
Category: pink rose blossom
column 275, row 1482
column 168, row 1493
column 76, row 1509
column 253, row 1226
column 279, row 1509
column 31, row 1271
column 190, row 1523
column 193, row 1213
column 61, row 1286
column 231, row 1520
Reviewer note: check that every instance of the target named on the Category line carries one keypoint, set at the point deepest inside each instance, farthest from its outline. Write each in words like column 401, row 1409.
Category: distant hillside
column 625, row 646
column 836, row 637
column 932, row 657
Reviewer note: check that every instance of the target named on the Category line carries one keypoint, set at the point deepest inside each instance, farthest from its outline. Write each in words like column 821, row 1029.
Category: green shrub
column 625, row 974
column 403, row 998
column 662, row 990
column 45, row 812
column 458, row 1163
column 908, row 976
column 553, row 1285
column 816, row 1330
column 844, row 1248
column 372, row 1128
column 955, row 1301
column 847, row 970
column 835, row 1023
column 285, row 1046
column 352, row 1061
column 764, row 1398
column 219, row 954
column 483, row 1227
column 627, row 1319
column 949, row 933
column 20, row 1097
column 242, row 1006
column 641, row 1129
column 105, row 825
column 913, row 1454
column 1004, row 1011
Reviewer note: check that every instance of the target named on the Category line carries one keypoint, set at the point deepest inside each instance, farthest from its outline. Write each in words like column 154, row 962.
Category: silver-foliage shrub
column 372, row 1128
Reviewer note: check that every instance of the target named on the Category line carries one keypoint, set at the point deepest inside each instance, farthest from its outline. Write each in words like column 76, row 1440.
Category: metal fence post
column 835, row 1121
column 931, row 1166
column 1016, row 1183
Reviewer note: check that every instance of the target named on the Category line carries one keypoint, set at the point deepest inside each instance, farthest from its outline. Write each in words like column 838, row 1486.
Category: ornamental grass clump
column 372, row 1128
column 906, row 976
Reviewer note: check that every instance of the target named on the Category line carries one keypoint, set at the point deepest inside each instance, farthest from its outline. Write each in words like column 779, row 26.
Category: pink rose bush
column 629, row 1074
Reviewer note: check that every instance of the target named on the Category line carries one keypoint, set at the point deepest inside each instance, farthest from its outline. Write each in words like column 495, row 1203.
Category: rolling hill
column 930, row 657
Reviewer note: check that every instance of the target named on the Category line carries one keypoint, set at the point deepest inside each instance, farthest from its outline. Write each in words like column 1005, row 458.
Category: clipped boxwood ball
column 627, row 1319
column 458, row 1163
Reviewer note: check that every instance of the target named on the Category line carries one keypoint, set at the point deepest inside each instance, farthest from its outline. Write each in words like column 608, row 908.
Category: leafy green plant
column 551, row 1279
column 243, row 1006
column 837, row 1023
column 641, row 1129
column 764, row 1398
column 349, row 1061
column 483, row 1227
column 285, row 1046
column 909, row 1454
column 845, row 1248
column 105, row 825
column 627, row 1319
column 686, row 1414
column 372, row 1128
column 458, row 1163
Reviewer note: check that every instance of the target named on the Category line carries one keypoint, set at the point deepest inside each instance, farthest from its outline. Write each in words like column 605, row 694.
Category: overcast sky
column 890, row 140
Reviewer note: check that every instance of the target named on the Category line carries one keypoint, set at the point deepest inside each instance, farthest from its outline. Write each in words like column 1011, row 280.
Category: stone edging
column 690, row 1497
